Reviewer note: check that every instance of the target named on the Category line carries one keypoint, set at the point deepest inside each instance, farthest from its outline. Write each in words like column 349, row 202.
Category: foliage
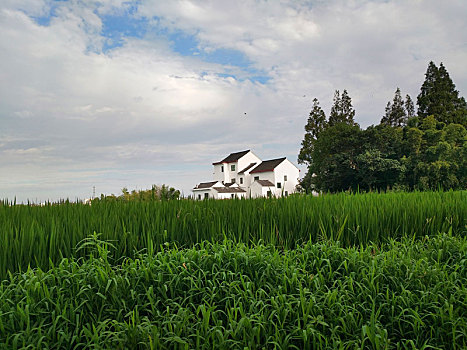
column 399, row 295
column 424, row 152
column 439, row 97
column 163, row 192
column 334, row 158
column 396, row 112
column 40, row 236
column 342, row 110
column 315, row 125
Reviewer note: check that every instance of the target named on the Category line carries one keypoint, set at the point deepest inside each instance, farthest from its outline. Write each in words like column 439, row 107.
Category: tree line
column 155, row 193
column 407, row 150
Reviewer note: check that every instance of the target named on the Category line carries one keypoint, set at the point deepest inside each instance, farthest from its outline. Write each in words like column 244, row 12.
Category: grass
column 402, row 294
column 40, row 236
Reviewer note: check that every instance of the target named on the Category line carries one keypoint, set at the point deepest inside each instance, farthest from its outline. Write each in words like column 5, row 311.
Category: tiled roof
column 247, row 168
column 229, row 189
column 267, row 165
column 205, row 185
column 265, row 183
column 232, row 157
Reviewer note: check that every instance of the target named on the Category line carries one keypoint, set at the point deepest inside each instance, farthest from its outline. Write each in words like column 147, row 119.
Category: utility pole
column 93, row 192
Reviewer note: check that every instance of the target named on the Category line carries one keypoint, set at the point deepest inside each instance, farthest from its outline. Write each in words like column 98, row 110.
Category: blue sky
column 115, row 93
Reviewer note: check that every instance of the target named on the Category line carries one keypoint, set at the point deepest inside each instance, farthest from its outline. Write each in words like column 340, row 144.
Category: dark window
column 233, row 181
column 286, row 193
column 278, row 185
column 232, row 196
column 269, row 194
column 256, row 178
column 222, row 168
column 206, row 195
column 285, row 177
column 241, row 181
column 232, row 167
column 199, row 196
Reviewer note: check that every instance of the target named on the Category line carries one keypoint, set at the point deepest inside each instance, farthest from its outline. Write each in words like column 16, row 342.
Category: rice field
column 40, row 236
column 401, row 294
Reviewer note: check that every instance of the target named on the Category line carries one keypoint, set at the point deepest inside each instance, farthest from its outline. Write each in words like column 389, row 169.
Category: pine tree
column 396, row 115
column 409, row 107
column 342, row 110
column 315, row 125
column 439, row 97
column 427, row 91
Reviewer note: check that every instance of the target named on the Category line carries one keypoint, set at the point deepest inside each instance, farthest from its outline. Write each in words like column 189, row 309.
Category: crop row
column 398, row 295
column 42, row 235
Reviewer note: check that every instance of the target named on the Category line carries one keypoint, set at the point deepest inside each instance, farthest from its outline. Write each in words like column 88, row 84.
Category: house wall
column 241, row 164
column 218, row 175
column 229, row 195
column 267, row 175
column 285, row 168
column 256, row 190
column 211, row 193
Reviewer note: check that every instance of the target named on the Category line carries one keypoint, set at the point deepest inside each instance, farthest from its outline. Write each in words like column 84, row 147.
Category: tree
column 342, row 110
column 315, row 125
column 409, row 107
column 395, row 113
column 334, row 166
column 376, row 171
column 439, row 97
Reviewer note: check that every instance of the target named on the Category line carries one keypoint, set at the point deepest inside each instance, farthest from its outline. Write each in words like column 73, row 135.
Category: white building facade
column 245, row 175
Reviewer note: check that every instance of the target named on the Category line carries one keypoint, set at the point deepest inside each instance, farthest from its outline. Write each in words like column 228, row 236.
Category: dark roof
column 232, row 157
column 247, row 168
column 229, row 189
column 267, row 165
column 206, row 184
column 266, row 183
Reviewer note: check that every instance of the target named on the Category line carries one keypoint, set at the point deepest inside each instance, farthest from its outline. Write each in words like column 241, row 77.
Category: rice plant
column 40, row 236
column 396, row 295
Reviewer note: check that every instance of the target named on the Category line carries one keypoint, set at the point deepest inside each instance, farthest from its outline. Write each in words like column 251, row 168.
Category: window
column 232, row 195
column 206, row 195
column 232, row 167
column 233, row 181
column 256, row 178
column 279, row 185
column 285, row 178
column 199, row 196
column 222, row 168
column 286, row 193
column 269, row 194
column 241, row 181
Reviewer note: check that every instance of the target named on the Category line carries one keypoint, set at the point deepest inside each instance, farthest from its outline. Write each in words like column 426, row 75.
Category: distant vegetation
column 156, row 193
column 427, row 151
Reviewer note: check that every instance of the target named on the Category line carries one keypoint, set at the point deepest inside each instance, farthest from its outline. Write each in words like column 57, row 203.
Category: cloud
column 162, row 102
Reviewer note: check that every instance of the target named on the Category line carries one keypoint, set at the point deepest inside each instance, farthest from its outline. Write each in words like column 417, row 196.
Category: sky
column 112, row 93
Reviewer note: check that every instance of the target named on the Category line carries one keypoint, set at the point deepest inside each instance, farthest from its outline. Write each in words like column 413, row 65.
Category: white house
column 218, row 190
column 245, row 175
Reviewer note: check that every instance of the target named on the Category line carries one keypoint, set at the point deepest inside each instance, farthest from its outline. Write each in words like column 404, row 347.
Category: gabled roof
column 232, row 157
column 265, row 183
column 205, row 185
column 230, row 184
column 247, row 168
column 267, row 165
column 229, row 189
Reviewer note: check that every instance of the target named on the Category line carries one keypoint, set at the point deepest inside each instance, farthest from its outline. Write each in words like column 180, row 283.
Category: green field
column 37, row 236
column 399, row 295
column 346, row 271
